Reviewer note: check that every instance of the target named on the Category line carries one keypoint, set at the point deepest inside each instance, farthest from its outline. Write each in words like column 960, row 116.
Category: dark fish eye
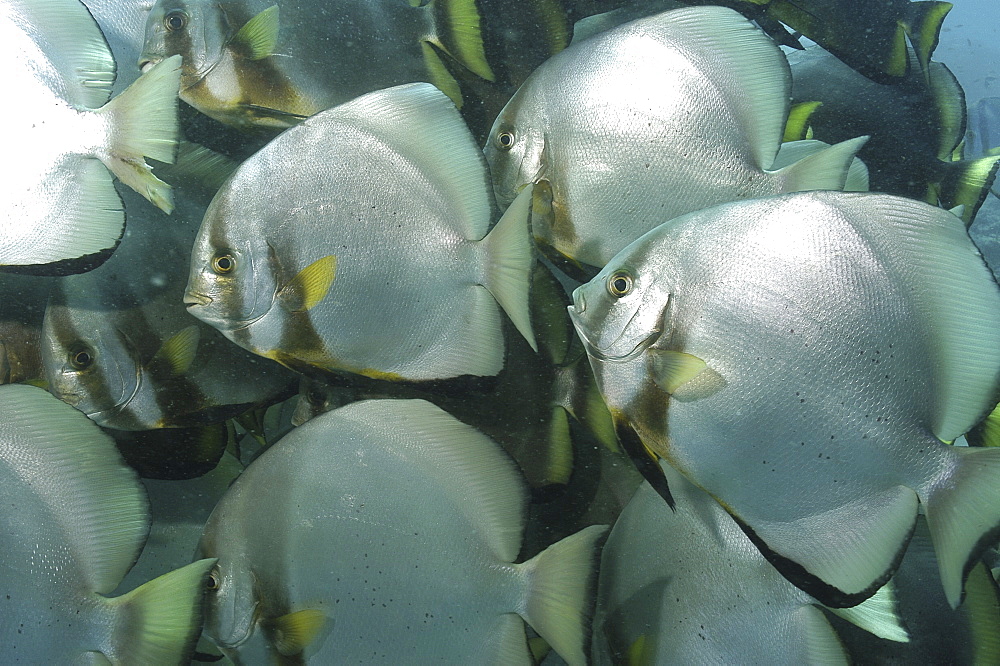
column 619, row 284
column 505, row 140
column 81, row 360
column 175, row 20
column 223, row 263
column 212, row 583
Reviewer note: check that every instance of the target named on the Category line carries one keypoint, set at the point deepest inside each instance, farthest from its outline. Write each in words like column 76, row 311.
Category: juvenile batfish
column 358, row 241
column 656, row 118
column 802, row 358
column 688, row 586
column 118, row 345
column 387, row 531
column 58, row 198
column 74, row 521
column 268, row 63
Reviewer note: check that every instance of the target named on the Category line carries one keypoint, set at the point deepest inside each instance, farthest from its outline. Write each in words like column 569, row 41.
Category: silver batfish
column 803, row 358
column 358, row 241
column 656, row 118
column 74, row 521
column 271, row 63
column 688, row 586
column 63, row 135
column 118, row 344
column 390, row 518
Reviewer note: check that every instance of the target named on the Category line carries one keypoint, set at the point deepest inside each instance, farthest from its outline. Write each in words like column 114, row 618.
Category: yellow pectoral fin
column 293, row 632
column 310, row 286
column 673, row 369
column 259, row 36
column 179, row 351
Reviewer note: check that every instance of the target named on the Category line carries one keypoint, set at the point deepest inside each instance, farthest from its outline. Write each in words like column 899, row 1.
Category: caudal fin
column 144, row 124
column 163, row 618
column 561, row 593
column 510, row 259
column 963, row 516
column 827, row 169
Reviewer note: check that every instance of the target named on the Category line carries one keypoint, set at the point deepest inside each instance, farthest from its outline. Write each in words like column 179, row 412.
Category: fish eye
column 213, row 581
column 223, row 263
column 505, row 140
column 81, row 359
column 620, row 283
column 175, row 20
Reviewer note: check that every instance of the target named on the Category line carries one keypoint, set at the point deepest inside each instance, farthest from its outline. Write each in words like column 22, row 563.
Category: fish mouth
column 240, row 640
column 194, row 298
column 578, row 307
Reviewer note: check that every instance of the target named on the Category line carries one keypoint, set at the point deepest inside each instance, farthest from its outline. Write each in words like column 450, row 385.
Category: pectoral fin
column 310, row 286
column 179, row 351
column 259, row 36
column 293, row 632
column 672, row 369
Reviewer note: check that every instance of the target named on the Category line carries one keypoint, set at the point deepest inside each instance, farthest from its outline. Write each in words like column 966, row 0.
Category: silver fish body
column 688, row 586
column 802, row 358
column 363, row 260
column 653, row 119
column 389, row 517
column 60, row 202
column 79, row 522
column 118, row 344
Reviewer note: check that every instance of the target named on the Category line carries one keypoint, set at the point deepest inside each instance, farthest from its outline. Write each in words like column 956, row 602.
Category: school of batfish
column 475, row 332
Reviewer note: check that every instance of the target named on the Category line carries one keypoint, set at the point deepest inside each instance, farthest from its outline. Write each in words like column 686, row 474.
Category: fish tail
column 164, row 617
column 144, row 122
column 827, row 169
column 967, row 183
column 457, row 24
column 562, row 592
column 963, row 516
column 511, row 259
column 922, row 24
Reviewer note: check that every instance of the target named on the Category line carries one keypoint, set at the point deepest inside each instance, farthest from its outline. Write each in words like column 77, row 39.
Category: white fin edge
column 879, row 615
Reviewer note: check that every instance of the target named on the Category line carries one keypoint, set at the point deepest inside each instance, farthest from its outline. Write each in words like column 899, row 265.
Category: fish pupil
column 224, row 263
column 505, row 140
column 81, row 360
column 620, row 284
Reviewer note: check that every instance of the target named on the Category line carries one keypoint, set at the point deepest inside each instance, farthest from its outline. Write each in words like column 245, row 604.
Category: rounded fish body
column 355, row 242
column 803, row 340
column 653, row 119
column 384, row 517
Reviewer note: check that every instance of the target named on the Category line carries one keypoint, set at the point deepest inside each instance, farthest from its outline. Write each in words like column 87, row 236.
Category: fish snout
column 579, row 301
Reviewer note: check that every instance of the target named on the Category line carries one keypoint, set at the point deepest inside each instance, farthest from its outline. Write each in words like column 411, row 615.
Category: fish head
column 231, row 601
column 622, row 311
column 195, row 29
column 516, row 150
column 89, row 363
column 232, row 282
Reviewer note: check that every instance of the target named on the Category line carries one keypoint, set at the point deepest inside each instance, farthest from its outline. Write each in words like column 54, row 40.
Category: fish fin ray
column 743, row 50
column 511, row 258
column 795, row 151
column 108, row 520
column 923, row 26
column 458, row 33
column 819, row 638
column 562, row 592
column 672, row 369
column 826, row 169
column 179, row 351
column 982, row 603
column 797, row 125
column 146, row 117
column 439, row 74
column 963, row 516
column 949, row 105
column 511, row 641
column 293, row 632
column 259, row 35
column 166, row 614
column 878, row 615
column 851, row 569
column 310, row 286
column 967, row 183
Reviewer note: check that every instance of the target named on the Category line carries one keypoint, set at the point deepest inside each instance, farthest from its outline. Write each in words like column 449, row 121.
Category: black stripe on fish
column 826, row 594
